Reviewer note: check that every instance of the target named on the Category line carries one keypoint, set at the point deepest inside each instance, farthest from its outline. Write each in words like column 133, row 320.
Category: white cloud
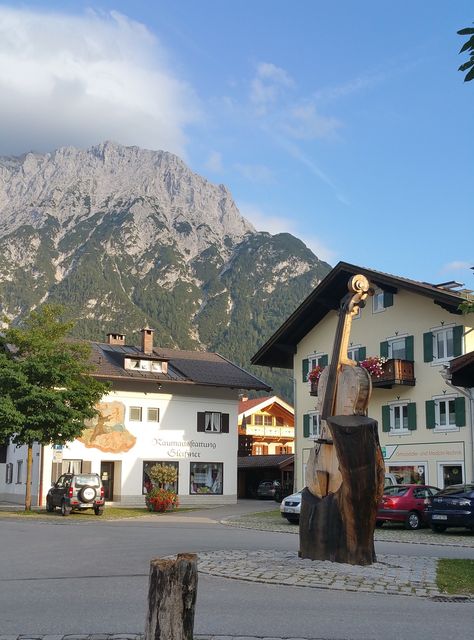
column 214, row 162
column 305, row 123
column 257, row 173
column 68, row 79
column 268, row 84
column 457, row 265
column 274, row 224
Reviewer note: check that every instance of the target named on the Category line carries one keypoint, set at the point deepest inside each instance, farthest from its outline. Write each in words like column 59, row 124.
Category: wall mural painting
column 107, row 431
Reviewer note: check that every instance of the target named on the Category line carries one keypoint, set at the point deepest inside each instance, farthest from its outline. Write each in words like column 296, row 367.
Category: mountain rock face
column 125, row 237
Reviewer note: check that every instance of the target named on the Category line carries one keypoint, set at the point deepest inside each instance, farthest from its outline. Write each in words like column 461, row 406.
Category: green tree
column 468, row 46
column 46, row 390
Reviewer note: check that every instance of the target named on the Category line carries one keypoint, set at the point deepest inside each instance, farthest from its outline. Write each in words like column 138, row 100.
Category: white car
column 290, row 507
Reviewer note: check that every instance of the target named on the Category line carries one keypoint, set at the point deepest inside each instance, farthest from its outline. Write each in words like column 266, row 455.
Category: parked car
column 404, row 503
column 290, row 507
column 76, row 491
column 268, row 489
column 390, row 478
column 452, row 507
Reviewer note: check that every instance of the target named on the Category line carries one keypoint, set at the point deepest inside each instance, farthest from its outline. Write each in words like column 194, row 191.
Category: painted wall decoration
column 107, row 431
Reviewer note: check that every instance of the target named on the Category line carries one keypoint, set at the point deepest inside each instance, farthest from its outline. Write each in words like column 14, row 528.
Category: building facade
column 168, row 406
column 415, row 330
column 266, row 426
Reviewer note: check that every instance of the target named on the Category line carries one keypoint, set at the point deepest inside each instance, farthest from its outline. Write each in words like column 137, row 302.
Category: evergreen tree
column 46, row 390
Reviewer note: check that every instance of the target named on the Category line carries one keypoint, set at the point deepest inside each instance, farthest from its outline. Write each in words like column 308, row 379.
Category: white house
column 164, row 405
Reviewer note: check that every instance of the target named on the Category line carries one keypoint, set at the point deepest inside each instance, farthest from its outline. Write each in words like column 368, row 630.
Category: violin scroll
column 360, row 287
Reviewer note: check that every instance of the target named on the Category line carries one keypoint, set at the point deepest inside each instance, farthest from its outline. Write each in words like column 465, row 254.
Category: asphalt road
column 64, row 577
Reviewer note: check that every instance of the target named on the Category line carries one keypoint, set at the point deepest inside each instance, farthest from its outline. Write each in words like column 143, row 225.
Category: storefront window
column 452, row 474
column 147, row 483
column 409, row 474
column 206, row 478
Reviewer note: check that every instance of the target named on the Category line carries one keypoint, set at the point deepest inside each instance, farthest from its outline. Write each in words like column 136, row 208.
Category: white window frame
column 393, row 339
column 213, row 422
column 394, row 408
column 438, row 425
column 130, row 414
column 149, row 409
column 442, row 331
column 449, row 463
column 314, row 425
column 377, row 301
column 351, row 350
column 313, row 360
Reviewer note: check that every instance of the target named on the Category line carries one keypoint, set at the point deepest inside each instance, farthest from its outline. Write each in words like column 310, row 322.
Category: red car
column 404, row 503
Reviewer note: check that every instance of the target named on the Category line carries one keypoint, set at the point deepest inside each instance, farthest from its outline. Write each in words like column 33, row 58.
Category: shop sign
column 438, row 450
column 183, row 448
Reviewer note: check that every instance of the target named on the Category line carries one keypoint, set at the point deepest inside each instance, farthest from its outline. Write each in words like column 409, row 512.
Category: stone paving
column 391, row 574
column 140, row 636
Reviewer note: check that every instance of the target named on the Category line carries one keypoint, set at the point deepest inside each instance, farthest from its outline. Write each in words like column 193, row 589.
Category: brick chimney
column 147, row 340
column 116, row 338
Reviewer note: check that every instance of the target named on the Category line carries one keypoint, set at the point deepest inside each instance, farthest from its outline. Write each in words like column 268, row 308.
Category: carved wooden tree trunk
column 340, row 526
column 172, row 595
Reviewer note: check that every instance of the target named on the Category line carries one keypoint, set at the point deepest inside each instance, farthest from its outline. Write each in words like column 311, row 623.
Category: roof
column 263, row 404
column 261, row 462
column 187, row 367
column 278, row 351
column 462, row 370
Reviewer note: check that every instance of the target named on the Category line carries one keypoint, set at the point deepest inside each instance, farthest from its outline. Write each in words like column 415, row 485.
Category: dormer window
column 136, row 364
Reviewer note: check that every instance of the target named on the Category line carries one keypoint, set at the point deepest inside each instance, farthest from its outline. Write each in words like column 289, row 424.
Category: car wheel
column 438, row 528
column 87, row 494
column 65, row 510
column 98, row 511
column 49, row 506
column 413, row 521
column 379, row 523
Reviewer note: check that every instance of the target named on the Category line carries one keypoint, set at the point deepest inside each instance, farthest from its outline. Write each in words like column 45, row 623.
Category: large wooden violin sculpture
column 343, row 389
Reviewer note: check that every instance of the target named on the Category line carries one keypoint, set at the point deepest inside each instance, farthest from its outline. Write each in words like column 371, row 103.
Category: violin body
column 353, row 395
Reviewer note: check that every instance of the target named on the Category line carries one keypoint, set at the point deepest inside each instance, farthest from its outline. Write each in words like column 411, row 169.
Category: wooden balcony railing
column 399, row 372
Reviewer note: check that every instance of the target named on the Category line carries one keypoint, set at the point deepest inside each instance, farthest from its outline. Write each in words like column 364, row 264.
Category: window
column 135, row 414
column 147, row 484
column 19, row 468
column 312, row 361
column 356, row 353
column 9, row 473
column 153, row 414
column 399, row 417
column 446, row 412
column 280, row 450
column 213, row 422
column 144, row 365
column 409, row 474
column 381, row 300
column 442, row 343
column 311, row 425
column 260, row 449
column 206, row 478
column 267, row 421
column 279, row 421
column 258, row 419
column 398, row 348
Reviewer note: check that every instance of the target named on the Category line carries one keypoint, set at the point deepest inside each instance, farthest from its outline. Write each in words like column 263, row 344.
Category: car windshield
column 395, row 491
column 90, row 481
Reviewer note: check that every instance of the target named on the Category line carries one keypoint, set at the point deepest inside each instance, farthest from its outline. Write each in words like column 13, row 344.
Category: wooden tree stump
column 340, row 526
column 172, row 595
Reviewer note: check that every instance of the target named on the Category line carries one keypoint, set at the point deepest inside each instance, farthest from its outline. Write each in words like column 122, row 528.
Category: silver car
column 290, row 507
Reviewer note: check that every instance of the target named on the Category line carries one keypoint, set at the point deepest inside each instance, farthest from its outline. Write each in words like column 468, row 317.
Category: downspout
column 469, row 394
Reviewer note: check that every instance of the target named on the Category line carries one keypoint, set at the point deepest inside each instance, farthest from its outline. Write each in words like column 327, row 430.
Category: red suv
column 405, row 503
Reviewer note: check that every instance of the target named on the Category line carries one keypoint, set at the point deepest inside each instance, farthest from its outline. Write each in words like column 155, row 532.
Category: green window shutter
column 385, row 418
column 430, row 414
column 409, row 348
column 362, row 354
column 324, row 360
column 428, row 347
column 387, row 299
column 305, row 369
column 384, row 349
column 460, row 409
column 306, row 425
column 457, row 340
column 411, row 408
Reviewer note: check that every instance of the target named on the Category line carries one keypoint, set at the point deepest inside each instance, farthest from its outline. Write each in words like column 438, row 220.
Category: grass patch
column 110, row 513
column 455, row 576
column 262, row 515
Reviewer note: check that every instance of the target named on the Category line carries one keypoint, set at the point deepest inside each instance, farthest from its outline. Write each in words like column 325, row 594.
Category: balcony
column 399, row 372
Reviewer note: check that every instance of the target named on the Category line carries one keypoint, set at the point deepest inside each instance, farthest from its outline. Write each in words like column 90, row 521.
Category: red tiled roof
column 246, row 405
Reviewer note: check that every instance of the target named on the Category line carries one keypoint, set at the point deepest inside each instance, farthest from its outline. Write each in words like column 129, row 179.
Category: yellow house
column 266, row 426
column 415, row 329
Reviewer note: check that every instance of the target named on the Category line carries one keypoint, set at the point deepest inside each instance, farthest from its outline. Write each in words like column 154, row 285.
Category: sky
column 344, row 123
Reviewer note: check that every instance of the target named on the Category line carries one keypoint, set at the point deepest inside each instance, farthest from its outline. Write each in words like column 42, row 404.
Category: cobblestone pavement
column 140, row 636
column 395, row 575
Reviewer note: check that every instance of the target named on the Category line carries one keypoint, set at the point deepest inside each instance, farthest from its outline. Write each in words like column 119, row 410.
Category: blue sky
column 344, row 123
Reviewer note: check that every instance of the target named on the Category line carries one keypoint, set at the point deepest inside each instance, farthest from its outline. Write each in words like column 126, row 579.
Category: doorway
column 107, row 477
